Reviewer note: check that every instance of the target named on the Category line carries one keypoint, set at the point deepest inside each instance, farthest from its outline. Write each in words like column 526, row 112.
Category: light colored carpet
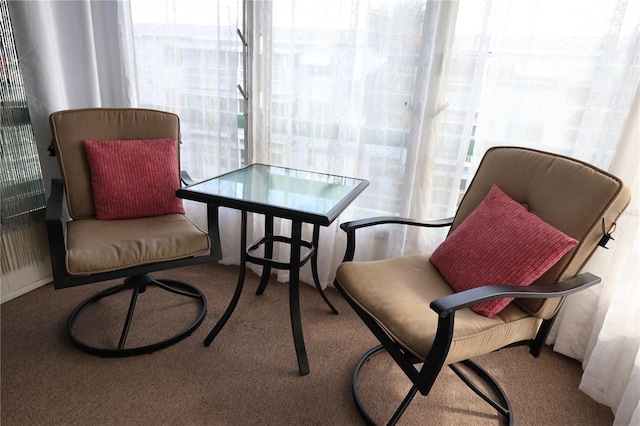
column 249, row 375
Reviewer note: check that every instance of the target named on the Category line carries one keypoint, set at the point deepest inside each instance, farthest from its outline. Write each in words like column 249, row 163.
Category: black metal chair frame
column 422, row 379
column 136, row 279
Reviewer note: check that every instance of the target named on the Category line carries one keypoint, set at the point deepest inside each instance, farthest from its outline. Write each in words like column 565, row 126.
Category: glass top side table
column 297, row 195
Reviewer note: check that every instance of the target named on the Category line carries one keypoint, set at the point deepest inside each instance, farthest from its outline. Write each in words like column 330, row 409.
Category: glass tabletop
column 284, row 192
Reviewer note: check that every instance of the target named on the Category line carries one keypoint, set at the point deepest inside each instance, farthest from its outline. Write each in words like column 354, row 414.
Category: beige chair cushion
column 587, row 202
column 397, row 293
column 69, row 128
column 95, row 246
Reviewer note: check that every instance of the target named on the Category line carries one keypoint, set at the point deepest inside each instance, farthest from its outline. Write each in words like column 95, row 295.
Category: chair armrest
column 446, row 305
column 351, row 227
column 381, row 220
column 55, row 232
column 186, row 178
column 53, row 213
column 212, row 220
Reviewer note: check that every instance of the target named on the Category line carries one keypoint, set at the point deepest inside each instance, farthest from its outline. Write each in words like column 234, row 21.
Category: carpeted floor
column 249, row 375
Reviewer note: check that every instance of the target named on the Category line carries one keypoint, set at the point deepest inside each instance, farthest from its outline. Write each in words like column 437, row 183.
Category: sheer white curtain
column 601, row 326
column 353, row 88
column 73, row 54
column 611, row 359
column 188, row 59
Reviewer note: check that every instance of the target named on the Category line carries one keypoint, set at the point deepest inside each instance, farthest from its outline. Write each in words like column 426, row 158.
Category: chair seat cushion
column 95, row 246
column 500, row 243
column 397, row 292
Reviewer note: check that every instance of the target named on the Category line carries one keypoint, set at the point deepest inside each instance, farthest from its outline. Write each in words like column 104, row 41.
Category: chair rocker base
column 138, row 285
column 503, row 406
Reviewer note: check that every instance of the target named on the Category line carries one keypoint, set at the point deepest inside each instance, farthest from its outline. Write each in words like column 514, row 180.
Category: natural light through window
column 358, row 86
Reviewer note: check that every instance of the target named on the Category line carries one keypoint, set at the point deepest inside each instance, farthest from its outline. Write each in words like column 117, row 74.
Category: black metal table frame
column 296, row 260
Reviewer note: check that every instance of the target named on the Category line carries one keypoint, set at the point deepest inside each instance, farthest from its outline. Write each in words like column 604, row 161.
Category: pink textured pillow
column 134, row 178
column 500, row 242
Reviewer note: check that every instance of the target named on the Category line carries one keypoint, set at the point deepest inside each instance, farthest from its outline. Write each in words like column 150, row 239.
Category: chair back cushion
column 69, row 128
column 578, row 199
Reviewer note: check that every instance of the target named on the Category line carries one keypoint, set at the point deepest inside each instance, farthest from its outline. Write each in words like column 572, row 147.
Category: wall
column 17, row 283
column 22, row 275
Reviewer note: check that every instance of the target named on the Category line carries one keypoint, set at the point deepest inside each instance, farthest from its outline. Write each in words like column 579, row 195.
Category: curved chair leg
column 354, row 383
column 503, row 406
column 138, row 285
column 356, row 395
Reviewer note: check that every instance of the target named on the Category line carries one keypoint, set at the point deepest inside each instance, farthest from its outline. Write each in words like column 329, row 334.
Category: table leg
column 268, row 254
column 236, row 295
column 314, row 268
column 294, row 297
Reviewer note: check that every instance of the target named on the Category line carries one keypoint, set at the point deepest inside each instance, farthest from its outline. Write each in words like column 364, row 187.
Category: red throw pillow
column 134, row 178
column 500, row 242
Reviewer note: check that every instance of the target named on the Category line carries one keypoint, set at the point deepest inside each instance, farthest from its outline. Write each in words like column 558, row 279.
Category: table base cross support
column 296, row 261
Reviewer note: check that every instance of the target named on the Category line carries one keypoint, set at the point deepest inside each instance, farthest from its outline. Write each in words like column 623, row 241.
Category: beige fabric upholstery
column 576, row 198
column 95, row 246
column 107, row 245
column 397, row 292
